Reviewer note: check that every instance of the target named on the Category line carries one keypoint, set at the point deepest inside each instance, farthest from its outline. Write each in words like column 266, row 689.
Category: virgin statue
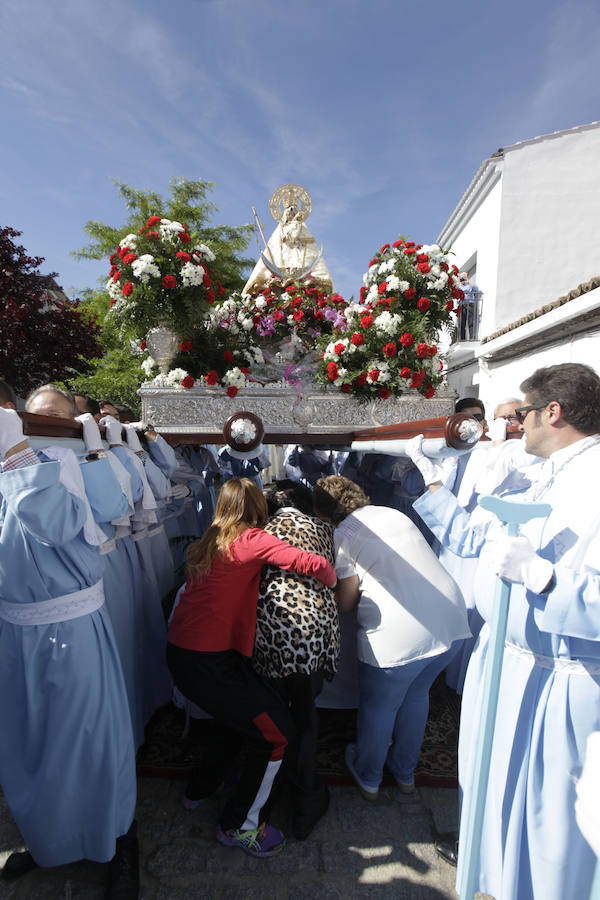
column 291, row 253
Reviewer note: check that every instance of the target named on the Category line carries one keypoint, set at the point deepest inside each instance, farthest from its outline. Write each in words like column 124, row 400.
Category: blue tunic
column 67, row 763
column 549, row 698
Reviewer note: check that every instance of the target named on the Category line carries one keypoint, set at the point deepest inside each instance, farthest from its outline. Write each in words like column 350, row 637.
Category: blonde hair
column 240, row 506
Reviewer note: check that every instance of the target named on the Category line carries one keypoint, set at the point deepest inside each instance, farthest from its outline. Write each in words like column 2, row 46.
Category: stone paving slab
column 359, row 850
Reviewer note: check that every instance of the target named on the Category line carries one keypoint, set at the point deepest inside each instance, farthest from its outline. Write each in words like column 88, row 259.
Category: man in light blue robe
column 549, row 700
column 67, row 763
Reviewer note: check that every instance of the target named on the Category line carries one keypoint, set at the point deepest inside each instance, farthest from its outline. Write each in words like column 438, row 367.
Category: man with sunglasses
column 549, row 700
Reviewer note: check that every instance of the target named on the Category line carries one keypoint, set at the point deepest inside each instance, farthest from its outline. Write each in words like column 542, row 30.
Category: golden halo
column 287, row 194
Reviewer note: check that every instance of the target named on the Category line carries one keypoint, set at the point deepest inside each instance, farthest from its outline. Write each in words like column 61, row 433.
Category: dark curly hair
column 335, row 497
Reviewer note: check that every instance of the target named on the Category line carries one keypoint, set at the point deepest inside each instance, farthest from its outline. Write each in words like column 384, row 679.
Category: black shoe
column 307, row 815
column 17, row 864
column 123, row 877
column 446, row 846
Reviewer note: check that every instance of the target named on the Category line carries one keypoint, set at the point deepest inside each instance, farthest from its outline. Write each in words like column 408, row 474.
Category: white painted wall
column 550, row 223
column 481, row 235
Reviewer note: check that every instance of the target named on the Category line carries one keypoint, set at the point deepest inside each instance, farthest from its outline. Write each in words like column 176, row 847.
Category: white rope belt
column 155, row 529
column 139, row 535
column 558, row 663
column 59, row 609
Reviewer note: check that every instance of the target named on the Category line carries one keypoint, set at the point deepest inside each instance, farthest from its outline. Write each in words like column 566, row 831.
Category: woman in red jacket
column 211, row 639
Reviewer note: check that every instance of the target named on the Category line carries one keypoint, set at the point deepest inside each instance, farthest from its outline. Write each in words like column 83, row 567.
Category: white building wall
column 481, row 235
column 550, row 226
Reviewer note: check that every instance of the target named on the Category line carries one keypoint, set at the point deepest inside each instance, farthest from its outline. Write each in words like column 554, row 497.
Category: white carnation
column 393, row 283
column 129, row 241
column 148, row 364
column 191, row 274
column 247, row 324
column 260, row 302
column 205, row 251
column 234, row 377
column 145, row 268
column 176, row 376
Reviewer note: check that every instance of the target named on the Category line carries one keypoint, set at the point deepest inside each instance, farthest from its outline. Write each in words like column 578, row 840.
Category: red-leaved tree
column 43, row 336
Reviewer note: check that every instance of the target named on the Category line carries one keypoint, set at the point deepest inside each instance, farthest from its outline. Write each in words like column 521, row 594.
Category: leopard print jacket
column 297, row 628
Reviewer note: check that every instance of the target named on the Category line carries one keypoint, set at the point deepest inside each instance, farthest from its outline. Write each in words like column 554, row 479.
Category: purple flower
column 330, row 314
column 340, row 322
column 265, row 327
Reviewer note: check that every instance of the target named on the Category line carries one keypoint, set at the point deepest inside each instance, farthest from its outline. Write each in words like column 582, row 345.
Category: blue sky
column 382, row 109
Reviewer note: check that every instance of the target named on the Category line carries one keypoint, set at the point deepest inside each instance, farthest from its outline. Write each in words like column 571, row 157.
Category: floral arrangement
column 387, row 343
column 160, row 276
column 254, row 338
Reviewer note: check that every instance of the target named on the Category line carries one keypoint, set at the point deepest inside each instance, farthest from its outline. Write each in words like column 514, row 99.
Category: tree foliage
column 43, row 336
column 118, row 373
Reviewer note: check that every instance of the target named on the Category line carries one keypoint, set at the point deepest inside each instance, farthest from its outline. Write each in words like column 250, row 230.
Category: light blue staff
column 511, row 514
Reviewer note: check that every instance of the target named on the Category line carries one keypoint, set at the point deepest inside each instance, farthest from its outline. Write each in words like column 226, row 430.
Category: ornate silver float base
column 205, row 409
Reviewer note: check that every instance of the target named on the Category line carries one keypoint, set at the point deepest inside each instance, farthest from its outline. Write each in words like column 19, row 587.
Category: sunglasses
column 521, row 412
column 479, row 416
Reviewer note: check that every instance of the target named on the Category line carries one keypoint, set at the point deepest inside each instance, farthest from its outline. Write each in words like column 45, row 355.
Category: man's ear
column 555, row 413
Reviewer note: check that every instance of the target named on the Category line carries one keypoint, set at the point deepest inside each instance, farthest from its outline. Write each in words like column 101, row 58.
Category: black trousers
column 299, row 691
column 226, row 686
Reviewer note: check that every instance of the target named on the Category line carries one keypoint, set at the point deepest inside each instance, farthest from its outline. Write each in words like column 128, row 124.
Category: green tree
column 118, row 374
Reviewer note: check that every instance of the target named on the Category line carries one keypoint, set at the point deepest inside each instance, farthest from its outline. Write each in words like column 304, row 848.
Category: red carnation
column 116, row 275
column 185, row 346
column 444, row 266
column 383, row 393
column 153, row 235
column 339, row 348
column 332, row 371
column 361, row 379
column 374, row 374
column 382, row 287
column 123, row 251
column 184, row 236
column 153, row 220
column 112, row 303
column 187, row 382
column 405, row 372
column 346, row 388
column 232, row 391
column 290, row 289
column 409, row 250
column 296, row 302
column 337, row 299
column 450, row 305
column 183, row 255
column 424, row 304
column 143, row 344
column 298, row 315
column 422, row 351
column 245, row 370
column 211, row 377
column 129, row 258
column 362, row 293
column 398, row 244
column 222, row 289
column 455, row 269
column 389, row 350
column 210, row 296
column 111, row 258
column 357, row 339
column 407, row 340
column 418, row 378
column 366, row 321
column 429, row 392
column 373, row 262
column 127, row 289
column 410, row 293
column 228, row 356
column 278, row 315
column 424, row 268
column 422, row 258
column 206, row 280
column 384, row 302
column 168, row 282
column 385, row 248
column 432, row 350
column 410, row 243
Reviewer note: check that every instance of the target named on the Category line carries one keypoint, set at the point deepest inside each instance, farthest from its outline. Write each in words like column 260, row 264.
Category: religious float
column 287, row 348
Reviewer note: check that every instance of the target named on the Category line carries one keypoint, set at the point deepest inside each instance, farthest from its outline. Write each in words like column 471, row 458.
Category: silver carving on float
column 162, row 343
column 205, row 409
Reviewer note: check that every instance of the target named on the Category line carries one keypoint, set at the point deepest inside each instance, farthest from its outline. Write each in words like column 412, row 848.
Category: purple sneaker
column 262, row 842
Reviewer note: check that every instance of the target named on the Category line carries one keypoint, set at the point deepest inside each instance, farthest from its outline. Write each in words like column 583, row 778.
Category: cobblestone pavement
column 359, row 849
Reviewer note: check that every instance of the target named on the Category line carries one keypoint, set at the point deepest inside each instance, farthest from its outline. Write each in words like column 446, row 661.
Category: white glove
column 91, row 432
column 113, row 429
column 497, row 430
column 515, row 559
column 431, row 471
column 133, row 441
column 11, row 430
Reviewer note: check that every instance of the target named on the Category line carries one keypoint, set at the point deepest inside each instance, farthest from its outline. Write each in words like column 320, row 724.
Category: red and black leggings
column 226, row 686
